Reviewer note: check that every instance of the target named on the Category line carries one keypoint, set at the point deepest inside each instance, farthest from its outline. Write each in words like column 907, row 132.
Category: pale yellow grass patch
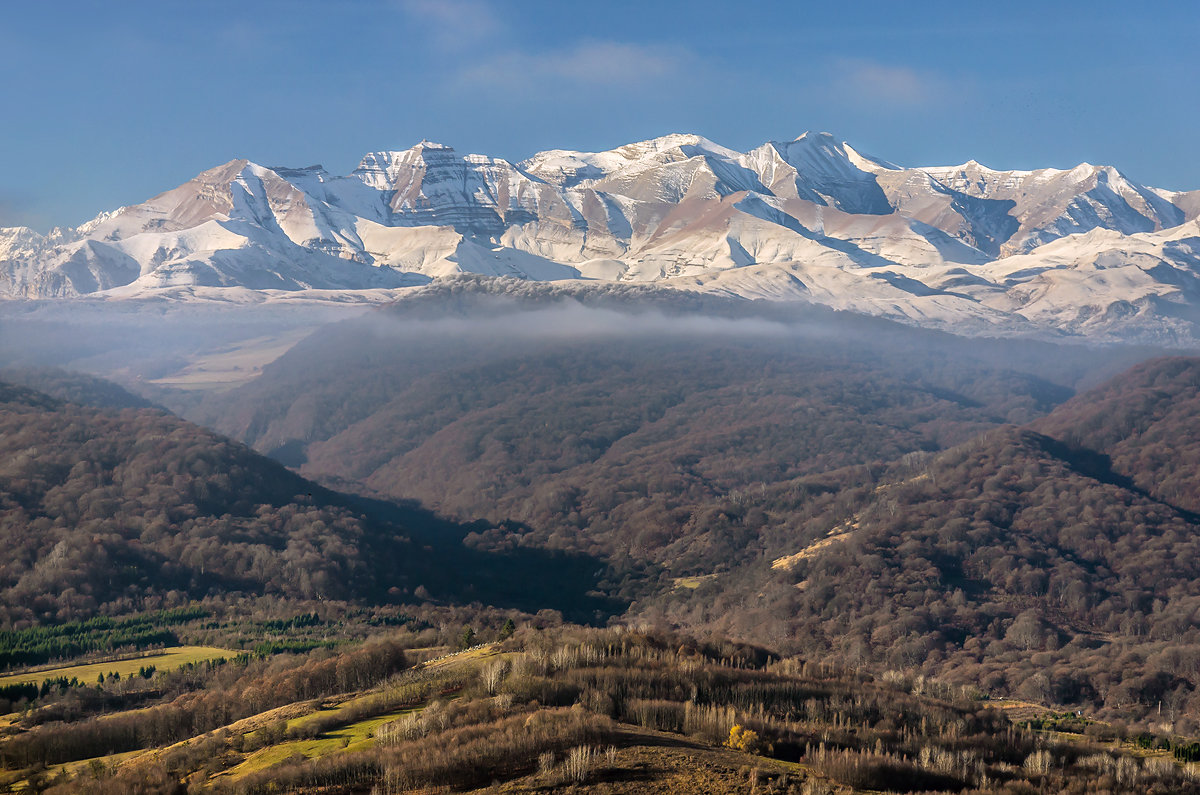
column 834, row 536
column 694, row 582
column 168, row 659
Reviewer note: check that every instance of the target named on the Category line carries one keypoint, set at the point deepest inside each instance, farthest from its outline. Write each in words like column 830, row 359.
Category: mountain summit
column 1083, row 251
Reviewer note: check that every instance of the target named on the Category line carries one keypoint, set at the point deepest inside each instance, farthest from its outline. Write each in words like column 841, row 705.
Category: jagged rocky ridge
column 1083, row 251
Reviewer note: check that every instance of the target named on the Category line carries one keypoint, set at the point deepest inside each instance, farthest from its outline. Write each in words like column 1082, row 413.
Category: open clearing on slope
column 169, row 658
column 834, row 536
column 234, row 364
column 352, row 737
column 694, row 582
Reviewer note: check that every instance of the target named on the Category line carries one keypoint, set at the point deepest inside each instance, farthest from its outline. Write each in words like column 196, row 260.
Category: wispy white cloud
column 455, row 24
column 861, row 81
column 591, row 63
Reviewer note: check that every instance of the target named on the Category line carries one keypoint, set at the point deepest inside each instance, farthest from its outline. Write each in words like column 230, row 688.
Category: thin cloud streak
column 455, row 25
column 868, row 82
column 591, row 63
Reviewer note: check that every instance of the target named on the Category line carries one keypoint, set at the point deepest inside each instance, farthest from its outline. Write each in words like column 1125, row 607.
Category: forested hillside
column 105, row 511
column 890, row 500
column 74, row 387
column 603, row 422
column 135, row 509
column 1023, row 563
column 860, row 495
column 1146, row 423
column 565, row 709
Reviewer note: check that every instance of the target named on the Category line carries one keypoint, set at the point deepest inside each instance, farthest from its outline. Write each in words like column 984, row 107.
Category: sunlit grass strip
column 359, row 735
column 694, row 582
column 169, row 658
column 353, row 737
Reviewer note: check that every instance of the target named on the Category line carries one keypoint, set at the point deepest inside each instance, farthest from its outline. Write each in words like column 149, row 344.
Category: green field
column 167, row 659
column 350, row 736
column 353, row 737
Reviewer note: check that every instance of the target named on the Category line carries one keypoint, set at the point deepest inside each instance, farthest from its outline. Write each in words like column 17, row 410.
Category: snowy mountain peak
column 865, row 162
column 814, row 149
column 969, row 168
column 819, row 169
column 640, row 149
column 378, row 169
column 88, row 227
column 1079, row 251
column 817, row 137
column 17, row 242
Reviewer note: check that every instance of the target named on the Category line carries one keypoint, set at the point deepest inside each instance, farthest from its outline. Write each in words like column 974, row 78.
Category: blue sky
column 106, row 104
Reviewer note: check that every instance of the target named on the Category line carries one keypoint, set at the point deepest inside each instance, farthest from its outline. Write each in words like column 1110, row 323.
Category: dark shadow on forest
column 524, row 578
column 1098, row 466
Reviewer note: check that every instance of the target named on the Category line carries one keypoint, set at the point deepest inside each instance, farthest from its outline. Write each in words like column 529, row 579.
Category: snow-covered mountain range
column 1083, row 251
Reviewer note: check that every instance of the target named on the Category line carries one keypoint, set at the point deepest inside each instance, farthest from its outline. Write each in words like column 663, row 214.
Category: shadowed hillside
column 111, row 511
column 1146, row 423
